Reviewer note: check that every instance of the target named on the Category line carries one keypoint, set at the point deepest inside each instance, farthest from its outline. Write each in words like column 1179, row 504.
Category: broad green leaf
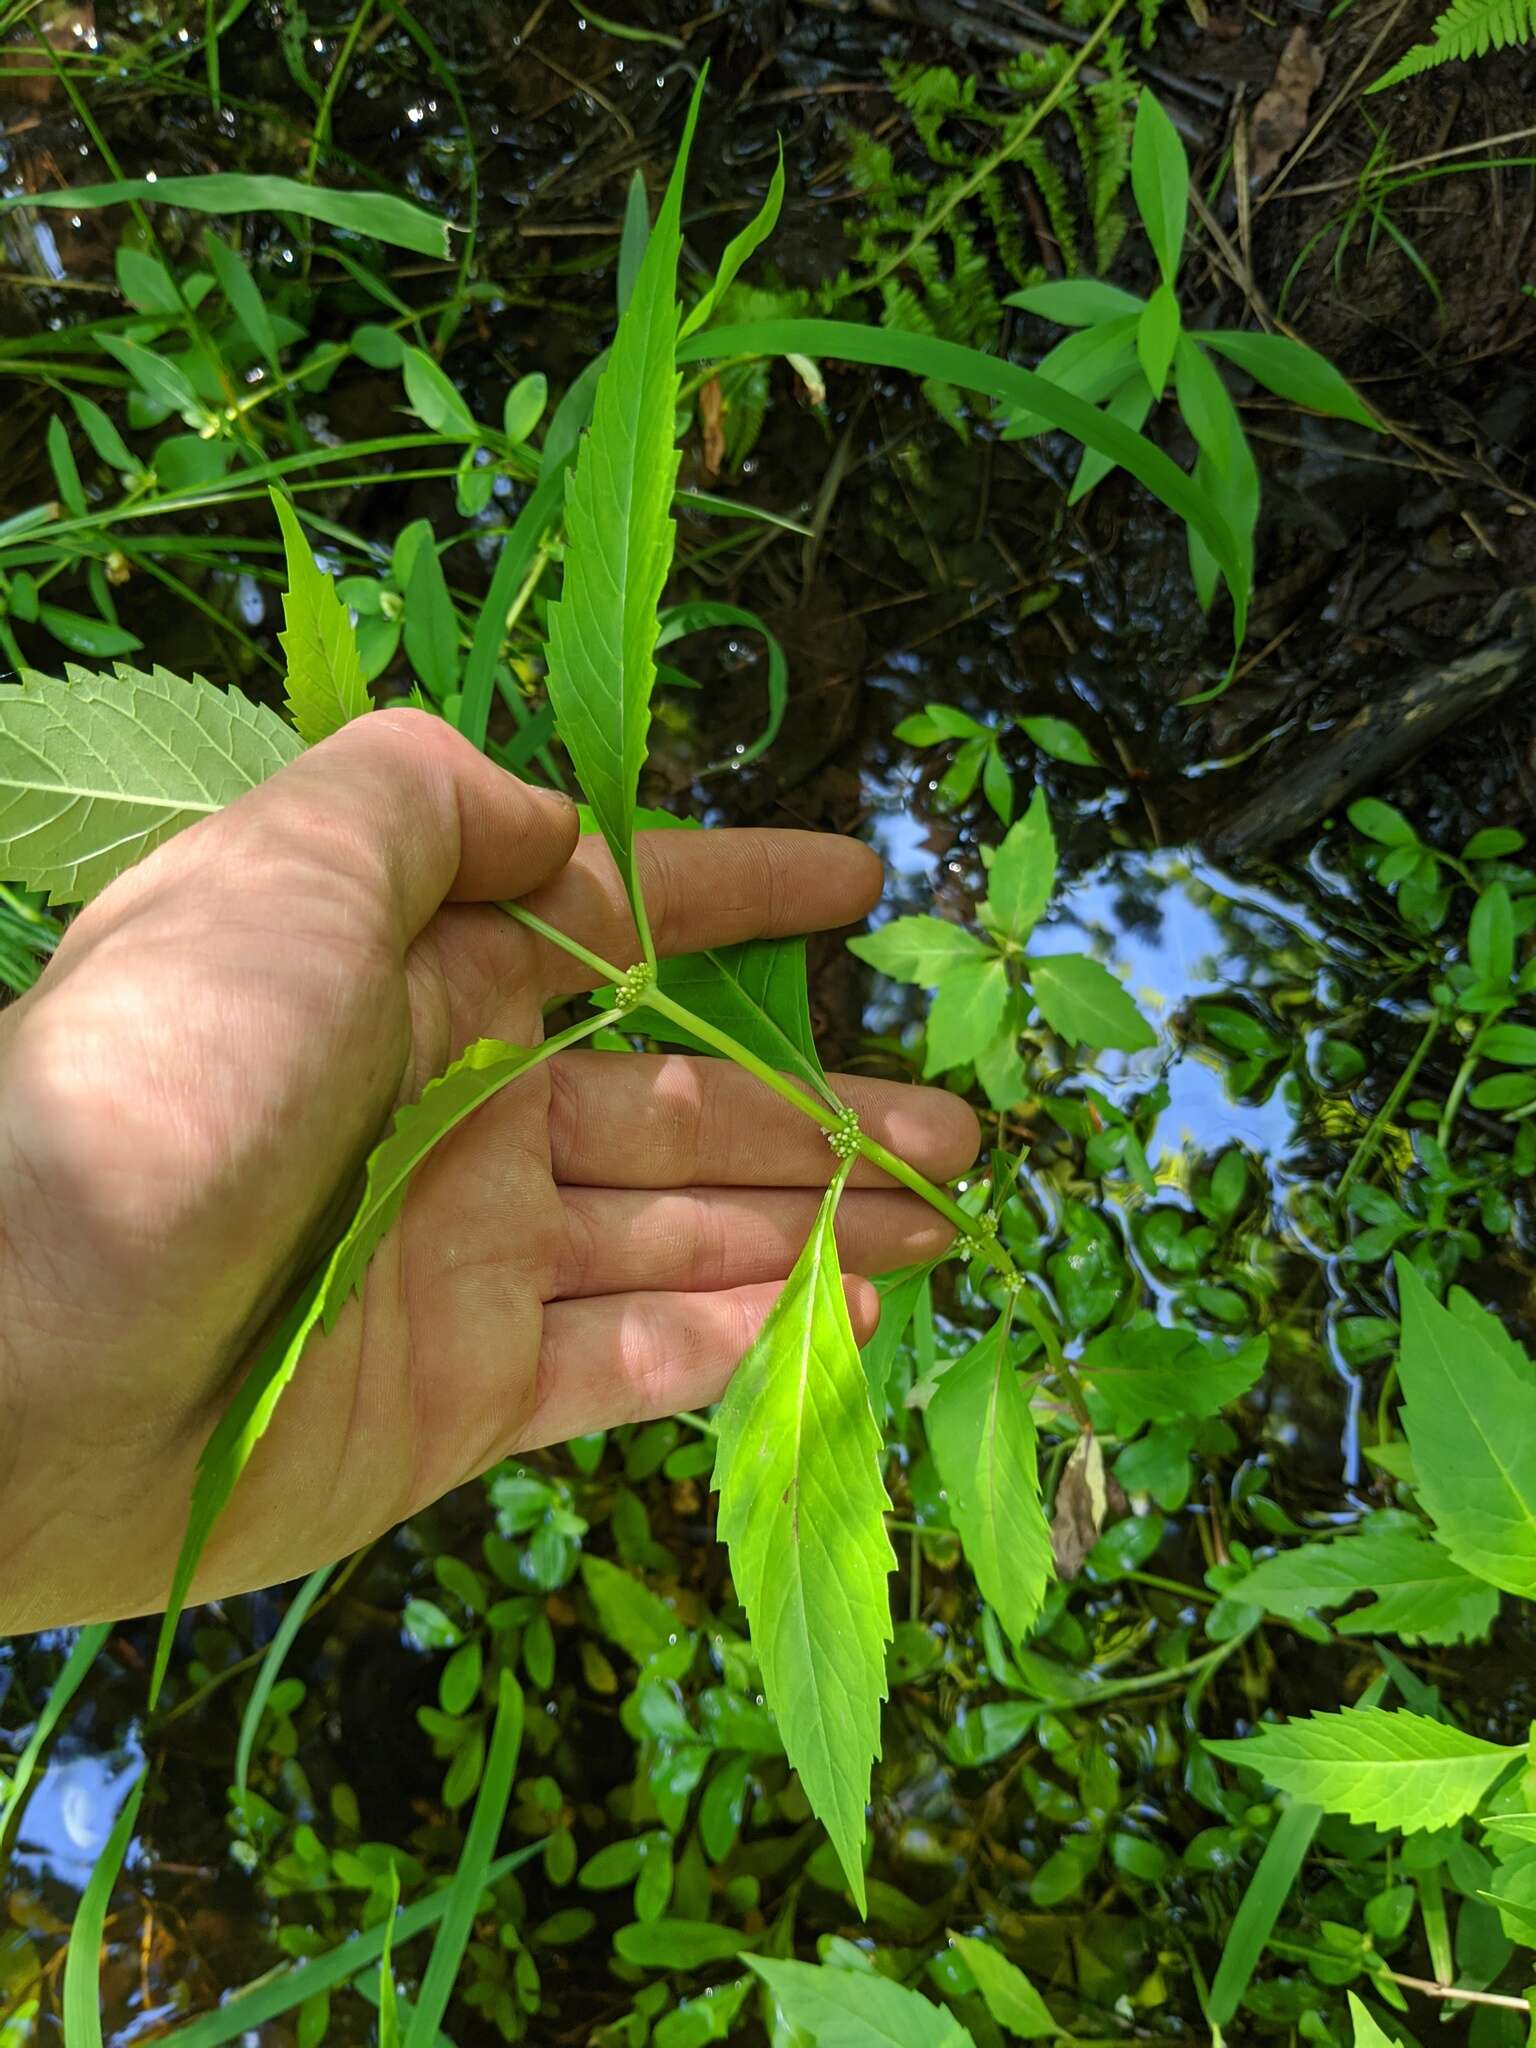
column 1382, row 822
column 620, row 536
column 857, row 2008
column 145, row 282
column 82, row 1964
column 802, row 1509
column 982, row 1436
column 1076, row 301
column 469, row 1879
column 1388, row 1770
column 628, row 1611
column 1366, row 2032
column 1157, row 337
column 435, row 397
column 98, row 770
column 325, row 676
column 680, row 1944
column 920, row 949
column 1292, row 370
column 1059, row 738
column 480, row 1072
column 1491, row 938
column 741, row 248
column 1007, row 1993
column 1254, row 1921
column 82, row 634
column 966, row 1015
column 165, row 383
column 1084, row 1004
column 899, row 1294
column 1208, row 411
column 1470, row 1419
column 523, row 406
column 756, row 992
column 102, row 434
column 395, row 221
column 244, row 297
column 1418, row 1590
column 1023, row 874
column 1160, row 182
column 1149, row 1372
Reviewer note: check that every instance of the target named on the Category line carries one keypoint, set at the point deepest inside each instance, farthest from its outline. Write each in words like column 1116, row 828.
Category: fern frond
column 1058, row 205
column 1468, row 28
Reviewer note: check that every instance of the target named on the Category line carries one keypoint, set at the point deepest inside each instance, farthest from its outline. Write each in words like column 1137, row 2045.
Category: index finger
column 702, row 889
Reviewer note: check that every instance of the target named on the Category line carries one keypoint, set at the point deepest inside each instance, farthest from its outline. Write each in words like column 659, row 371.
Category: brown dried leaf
column 1279, row 120
column 712, row 422
column 1081, row 1498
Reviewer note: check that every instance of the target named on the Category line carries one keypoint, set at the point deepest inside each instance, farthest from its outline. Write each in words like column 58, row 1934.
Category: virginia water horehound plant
column 798, row 1439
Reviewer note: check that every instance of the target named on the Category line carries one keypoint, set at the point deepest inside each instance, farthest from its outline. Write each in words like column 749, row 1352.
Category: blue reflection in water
column 71, row 1810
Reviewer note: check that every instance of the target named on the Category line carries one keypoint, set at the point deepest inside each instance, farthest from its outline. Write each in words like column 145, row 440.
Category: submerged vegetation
column 1126, row 1644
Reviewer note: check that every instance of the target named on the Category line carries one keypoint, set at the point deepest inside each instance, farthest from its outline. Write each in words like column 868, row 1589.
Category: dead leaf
column 712, row 421
column 1081, row 1498
column 1279, row 120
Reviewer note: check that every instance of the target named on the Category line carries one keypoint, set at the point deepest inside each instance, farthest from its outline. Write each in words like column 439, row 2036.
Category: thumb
column 399, row 801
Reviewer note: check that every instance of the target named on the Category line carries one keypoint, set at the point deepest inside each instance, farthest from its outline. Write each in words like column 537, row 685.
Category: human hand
column 186, row 1099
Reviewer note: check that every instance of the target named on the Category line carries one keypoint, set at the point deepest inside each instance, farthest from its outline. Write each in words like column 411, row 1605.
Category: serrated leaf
column 1388, row 1770
column 325, row 674
column 1470, row 1418
column 1150, row 1372
column 802, row 1509
column 920, row 949
column 479, row 1072
column 1418, row 1590
column 1023, row 874
column 757, row 992
column 98, row 770
column 857, row 2008
column 620, row 537
column 1006, row 1992
column 1084, row 1004
column 982, row 1436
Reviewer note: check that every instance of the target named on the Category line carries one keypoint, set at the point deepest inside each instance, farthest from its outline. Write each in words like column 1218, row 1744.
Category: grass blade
column 82, row 1965
column 79, row 1661
column 1254, row 1922
column 395, row 221
column 271, row 1666
column 470, row 1878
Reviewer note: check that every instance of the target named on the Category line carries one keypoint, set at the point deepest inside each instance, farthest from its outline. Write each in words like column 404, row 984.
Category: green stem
column 603, row 969
column 1405, row 1080
column 1458, row 1088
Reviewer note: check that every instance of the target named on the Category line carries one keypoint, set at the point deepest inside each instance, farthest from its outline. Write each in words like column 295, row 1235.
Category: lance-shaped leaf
column 856, row 2008
column 98, row 770
column 756, row 993
column 982, row 1436
column 325, row 673
column 1470, row 1416
column 1390, row 1770
column 1006, row 1992
column 1023, row 872
column 802, row 1508
column 620, row 536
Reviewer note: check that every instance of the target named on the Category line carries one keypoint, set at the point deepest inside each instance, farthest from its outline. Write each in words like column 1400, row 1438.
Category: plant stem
column 603, row 969
column 1388, row 1110
column 1453, row 1101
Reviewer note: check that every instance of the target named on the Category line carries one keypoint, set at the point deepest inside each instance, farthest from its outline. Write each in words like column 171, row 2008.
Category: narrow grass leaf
column 1006, row 1992
column 856, row 2008
column 285, row 1989
column 243, row 294
column 540, row 512
column 469, row 1880
column 982, row 1436
column 271, row 1668
column 1388, row 1770
column 98, row 770
column 1254, row 1921
column 620, row 537
column 802, row 1509
column 82, row 1964
column 741, row 248
column 1470, row 1419
column 395, row 221
column 325, row 674
column 679, row 620
column 82, row 1656
column 970, row 369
